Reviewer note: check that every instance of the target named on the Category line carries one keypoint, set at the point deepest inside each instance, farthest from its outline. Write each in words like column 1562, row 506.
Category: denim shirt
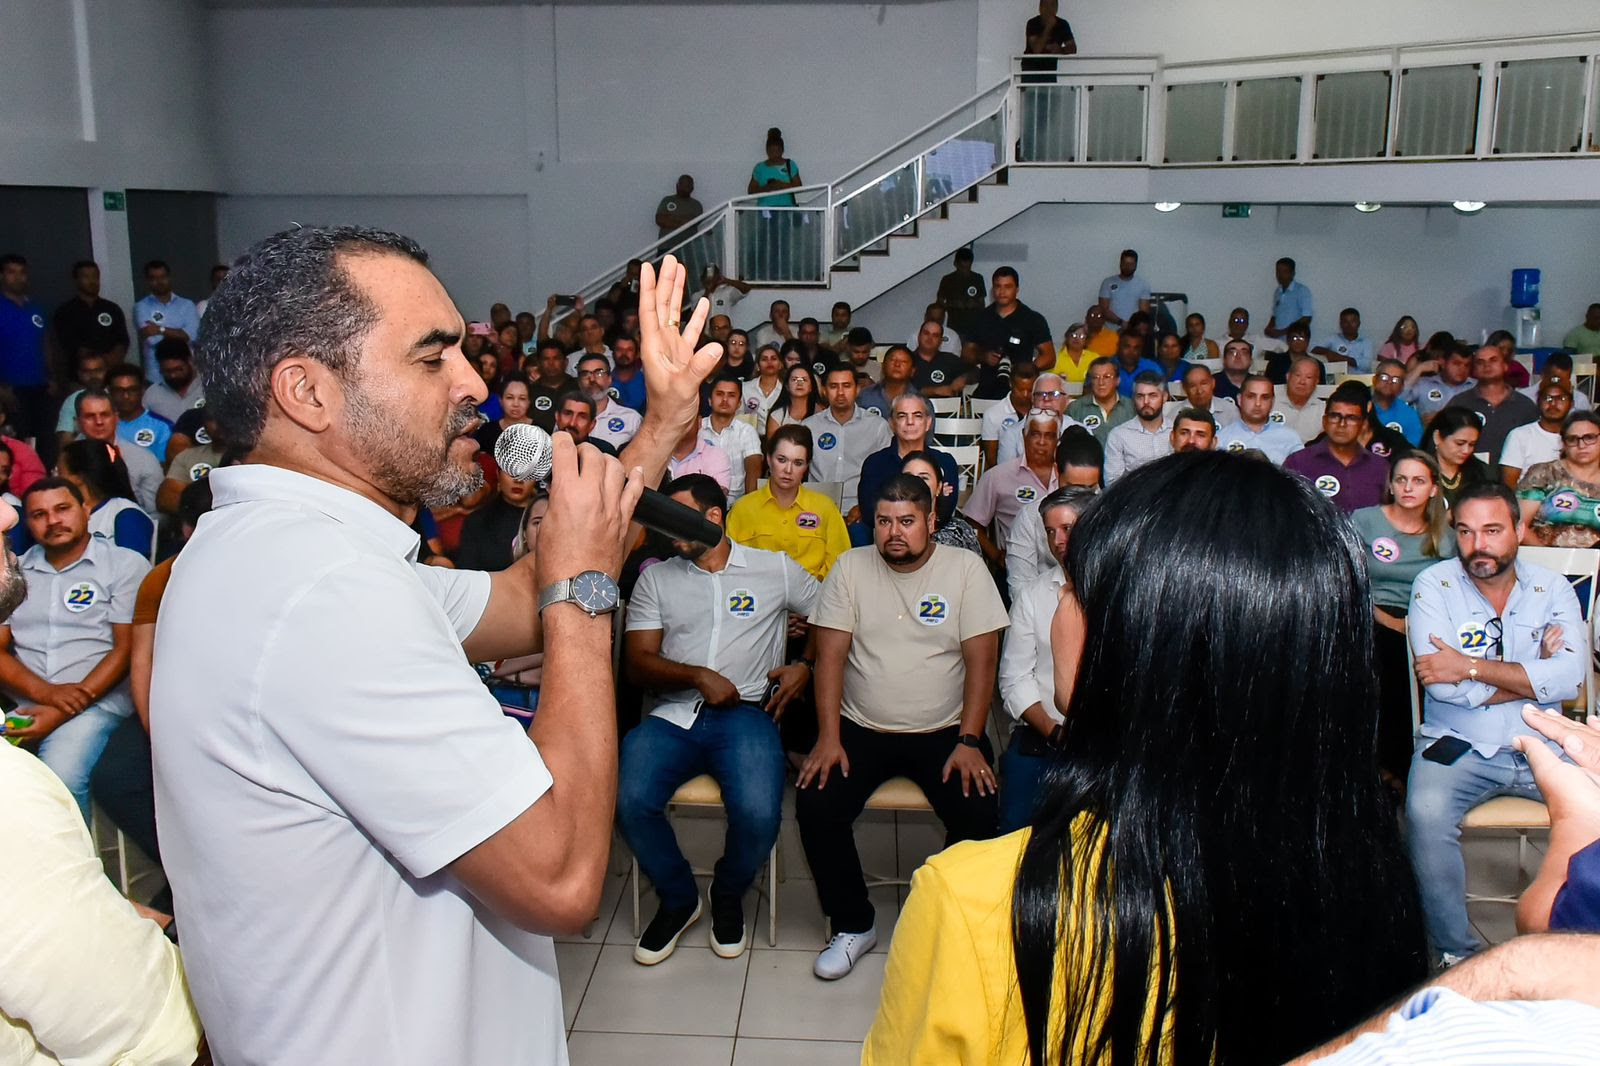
column 1446, row 603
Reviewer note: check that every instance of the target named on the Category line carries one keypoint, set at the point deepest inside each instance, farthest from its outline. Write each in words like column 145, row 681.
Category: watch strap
column 554, row 593
column 968, row 740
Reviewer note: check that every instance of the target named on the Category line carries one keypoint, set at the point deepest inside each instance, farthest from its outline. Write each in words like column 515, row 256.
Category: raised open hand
column 673, row 366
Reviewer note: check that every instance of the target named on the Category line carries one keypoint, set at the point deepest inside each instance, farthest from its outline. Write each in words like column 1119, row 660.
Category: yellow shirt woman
column 950, row 992
column 1073, row 368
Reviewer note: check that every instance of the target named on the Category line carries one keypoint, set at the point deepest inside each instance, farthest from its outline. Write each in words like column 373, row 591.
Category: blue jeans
column 739, row 747
column 1437, row 798
column 75, row 745
column 1019, row 785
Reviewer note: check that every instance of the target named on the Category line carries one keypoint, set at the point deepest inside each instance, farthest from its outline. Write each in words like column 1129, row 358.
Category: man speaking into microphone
column 366, row 856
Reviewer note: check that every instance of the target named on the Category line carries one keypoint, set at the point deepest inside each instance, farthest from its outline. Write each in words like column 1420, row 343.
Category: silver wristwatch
column 591, row 590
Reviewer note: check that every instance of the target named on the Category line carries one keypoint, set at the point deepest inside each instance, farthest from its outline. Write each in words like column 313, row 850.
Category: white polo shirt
column 1305, row 421
column 740, row 442
column 1027, row 670
column 734, row 621
column 839, row 448
column 1530, row 444
column 998, row 418
column 616, row 425
column 323, row 751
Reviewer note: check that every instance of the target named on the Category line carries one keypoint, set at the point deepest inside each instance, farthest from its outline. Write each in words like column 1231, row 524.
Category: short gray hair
column 927, row 404
column 287, row 295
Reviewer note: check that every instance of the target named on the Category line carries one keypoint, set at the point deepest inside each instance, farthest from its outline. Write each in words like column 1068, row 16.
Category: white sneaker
column 842, row 953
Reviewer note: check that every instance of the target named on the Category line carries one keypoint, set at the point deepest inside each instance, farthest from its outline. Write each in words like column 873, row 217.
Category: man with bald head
column 1297, row 405
column 1499, row 407
column 1200, row 394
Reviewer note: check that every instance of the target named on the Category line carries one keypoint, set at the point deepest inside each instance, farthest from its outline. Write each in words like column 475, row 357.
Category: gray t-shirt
column 1394, row 559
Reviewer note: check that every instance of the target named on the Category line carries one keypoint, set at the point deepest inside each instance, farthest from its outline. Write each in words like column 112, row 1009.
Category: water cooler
column 1525, row 307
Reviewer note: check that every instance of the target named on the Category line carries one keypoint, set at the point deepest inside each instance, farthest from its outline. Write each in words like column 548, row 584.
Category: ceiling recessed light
column 1168, row 205
column 1367, row 207
column 1469, row 207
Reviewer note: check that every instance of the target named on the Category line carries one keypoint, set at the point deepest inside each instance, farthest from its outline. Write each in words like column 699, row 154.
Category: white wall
column 1190, row 30
column 1449, row 271
column 105, row 93
column 584, row 113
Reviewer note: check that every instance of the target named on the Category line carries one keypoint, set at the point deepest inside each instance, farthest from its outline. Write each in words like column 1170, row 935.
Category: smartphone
column 771, row 694
column 1446, row 750
column 480, row 329
column 16, row 721
column 569, row 300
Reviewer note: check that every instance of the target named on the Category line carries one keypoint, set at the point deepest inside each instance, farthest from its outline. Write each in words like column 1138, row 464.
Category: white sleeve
column 464, row 594
column 1019, row 690
column 1515, row 451
column 1022, row 550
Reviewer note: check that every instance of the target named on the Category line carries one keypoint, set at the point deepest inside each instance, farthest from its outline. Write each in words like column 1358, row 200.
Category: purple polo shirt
column 1349, row 487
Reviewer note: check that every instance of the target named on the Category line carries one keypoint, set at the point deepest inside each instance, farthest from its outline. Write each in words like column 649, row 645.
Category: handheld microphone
column 525, row 452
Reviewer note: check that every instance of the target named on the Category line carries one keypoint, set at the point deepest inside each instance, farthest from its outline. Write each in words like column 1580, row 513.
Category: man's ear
column 305, row 391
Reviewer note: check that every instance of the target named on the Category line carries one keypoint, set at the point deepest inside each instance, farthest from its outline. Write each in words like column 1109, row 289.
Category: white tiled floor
column 765, row 1008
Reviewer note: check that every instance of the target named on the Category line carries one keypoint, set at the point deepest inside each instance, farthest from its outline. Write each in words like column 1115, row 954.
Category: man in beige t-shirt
column 908, row 635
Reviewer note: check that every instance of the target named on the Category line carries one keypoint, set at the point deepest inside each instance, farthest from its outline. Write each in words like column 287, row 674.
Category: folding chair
column 703, row 791
column 1213, row 365
column 947, row 406
column 1365, row 379
column 954, row 432
column 969, row 458
column 978, row 408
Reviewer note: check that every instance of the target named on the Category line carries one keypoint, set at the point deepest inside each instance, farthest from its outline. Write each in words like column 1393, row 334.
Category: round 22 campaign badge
column 1385, row 550
column 937, row 377
column 1027, row 494
column 614, row 425
column 1564, row 502
column 144, row 437
column 541, row 403
column 807, row 520
column 1328, row 485
column 104, row 318
column 933, row 609
column 742, row 603
column 1091, row 422
column 827, row 441
column 1276, row 418
column 80, row 597
column 1473, row 639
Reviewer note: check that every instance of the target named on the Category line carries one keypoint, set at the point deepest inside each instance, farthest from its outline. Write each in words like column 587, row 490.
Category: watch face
column 594, row 591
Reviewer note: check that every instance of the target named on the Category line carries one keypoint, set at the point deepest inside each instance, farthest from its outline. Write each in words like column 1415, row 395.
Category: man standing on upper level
column 162, row 314
column 25, row 350
column 679, row 209
column 1291, row 302
column 1125, row 292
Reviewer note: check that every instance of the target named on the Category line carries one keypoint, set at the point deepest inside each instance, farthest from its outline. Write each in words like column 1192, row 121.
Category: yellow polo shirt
column 1071, row 371
column 812, row 532
column 950, row 993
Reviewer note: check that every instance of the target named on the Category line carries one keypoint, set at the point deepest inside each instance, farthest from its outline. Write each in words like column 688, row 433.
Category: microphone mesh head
column 524, row 452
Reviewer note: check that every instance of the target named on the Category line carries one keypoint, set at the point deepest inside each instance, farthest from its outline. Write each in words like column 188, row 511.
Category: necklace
column 1450, row 482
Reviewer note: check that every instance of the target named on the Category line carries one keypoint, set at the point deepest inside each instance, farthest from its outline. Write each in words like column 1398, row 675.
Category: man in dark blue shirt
column 24, row 344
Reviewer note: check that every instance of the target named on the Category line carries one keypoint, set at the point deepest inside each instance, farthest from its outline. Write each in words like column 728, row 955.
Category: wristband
column 967, row 740
column 1057, row 735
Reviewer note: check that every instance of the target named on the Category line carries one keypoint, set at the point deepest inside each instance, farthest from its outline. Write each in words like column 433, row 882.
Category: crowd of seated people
column 871, row 596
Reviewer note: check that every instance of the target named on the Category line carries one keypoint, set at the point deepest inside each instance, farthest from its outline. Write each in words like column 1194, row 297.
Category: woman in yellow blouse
column 1072, row 362
column 1212, row 874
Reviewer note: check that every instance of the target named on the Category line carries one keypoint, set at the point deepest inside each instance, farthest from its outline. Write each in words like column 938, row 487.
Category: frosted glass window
column 1438, row 111
column 1540, row 105
column 1266, row 118
column 1194, row 122
column 1116, row 123
column 1352, row 115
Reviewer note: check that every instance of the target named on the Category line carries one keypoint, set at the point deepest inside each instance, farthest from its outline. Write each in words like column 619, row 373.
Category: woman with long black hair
column 102, row 478
column 1212, row 874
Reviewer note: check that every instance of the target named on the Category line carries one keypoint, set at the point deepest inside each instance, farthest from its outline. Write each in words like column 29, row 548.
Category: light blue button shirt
column 176, row 313
column 1275, row 440
column 1446, row 603
column 1124, row 294
column 1359, row 350
column 1438, row 1025
column 1290, row 303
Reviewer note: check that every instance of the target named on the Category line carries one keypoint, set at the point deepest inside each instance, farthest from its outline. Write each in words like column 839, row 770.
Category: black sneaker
column 660, row 937
column 728, row 937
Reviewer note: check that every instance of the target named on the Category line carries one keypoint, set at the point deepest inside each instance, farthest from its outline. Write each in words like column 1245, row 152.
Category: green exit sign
column 1235, row 210
column 115, row 201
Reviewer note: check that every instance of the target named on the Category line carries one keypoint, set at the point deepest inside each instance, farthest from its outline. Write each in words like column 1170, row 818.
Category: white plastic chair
column 946, row 406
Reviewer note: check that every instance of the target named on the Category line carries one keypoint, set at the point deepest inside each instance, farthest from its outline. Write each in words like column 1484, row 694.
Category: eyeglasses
column 1341, row 419
column 1390, row 379
column 1554, row 397
column 593, row 374
column 1497, row 631
column 1582, row 442
column 1053, row 394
